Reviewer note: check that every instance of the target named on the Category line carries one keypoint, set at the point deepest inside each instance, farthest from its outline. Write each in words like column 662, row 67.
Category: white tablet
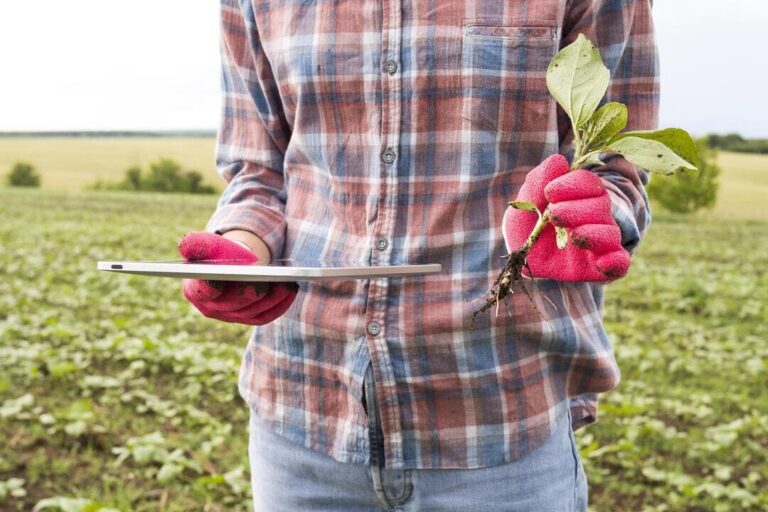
column 279, row 270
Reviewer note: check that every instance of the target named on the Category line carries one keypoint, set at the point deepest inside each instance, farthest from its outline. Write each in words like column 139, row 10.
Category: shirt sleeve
column 252, row 134
column 623, row 31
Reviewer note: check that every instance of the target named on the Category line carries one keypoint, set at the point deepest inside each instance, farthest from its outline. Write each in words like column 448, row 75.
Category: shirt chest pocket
column 505, row 96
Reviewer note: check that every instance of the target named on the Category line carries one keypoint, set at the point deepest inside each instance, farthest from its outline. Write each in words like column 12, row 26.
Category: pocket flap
column 520, row 34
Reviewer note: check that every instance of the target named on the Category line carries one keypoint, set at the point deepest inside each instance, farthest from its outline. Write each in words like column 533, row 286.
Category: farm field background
column 743, row 190
column 73, row 163
column 113, row 390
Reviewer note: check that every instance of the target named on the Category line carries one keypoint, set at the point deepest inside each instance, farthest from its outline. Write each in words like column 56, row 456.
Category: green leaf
column 523, row 205
column 606, row 122
column 562, row 237
column 76, row 428
column 169, row 471
column 62, row 369
column 13, row 487
column 100, row 381
column 653, row 474
column 676, row 139
column 63, row 504
column 12, row 407
column 578, row 79
column 650, row 154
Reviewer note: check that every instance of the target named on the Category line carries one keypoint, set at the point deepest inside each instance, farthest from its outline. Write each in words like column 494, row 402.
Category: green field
column 73, row 163
column 113, row 389
column 743, row 192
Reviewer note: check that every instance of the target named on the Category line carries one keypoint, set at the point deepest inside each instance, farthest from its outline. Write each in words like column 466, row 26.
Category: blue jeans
column 287, row 477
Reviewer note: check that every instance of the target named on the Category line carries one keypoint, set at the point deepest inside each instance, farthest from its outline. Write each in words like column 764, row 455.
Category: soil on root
column 509, row 279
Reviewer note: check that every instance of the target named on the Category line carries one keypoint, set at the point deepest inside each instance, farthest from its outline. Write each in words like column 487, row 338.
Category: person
column 396, row 131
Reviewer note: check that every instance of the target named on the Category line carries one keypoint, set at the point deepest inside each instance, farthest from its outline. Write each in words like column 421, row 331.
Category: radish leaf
column 578, row 80
column 606, row 122
column 676, row 139
column 650, row 154
column 523, row 205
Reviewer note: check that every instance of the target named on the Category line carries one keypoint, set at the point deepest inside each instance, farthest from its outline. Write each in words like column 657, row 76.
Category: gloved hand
column 578, row 202
column 236, row 302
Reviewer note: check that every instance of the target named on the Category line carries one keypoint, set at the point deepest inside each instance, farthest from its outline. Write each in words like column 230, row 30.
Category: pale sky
column 154, row 65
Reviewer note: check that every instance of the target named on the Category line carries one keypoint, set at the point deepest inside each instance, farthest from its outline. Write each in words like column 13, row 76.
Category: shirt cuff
column 262, row 222
column 625, row 219
column 583, row 410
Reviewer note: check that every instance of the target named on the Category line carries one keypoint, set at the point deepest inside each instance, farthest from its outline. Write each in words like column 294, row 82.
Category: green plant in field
column 578, row 80
column 690, row 192
column 64, row 504
column 23, row 175
column 13, row 487
column 687, row 430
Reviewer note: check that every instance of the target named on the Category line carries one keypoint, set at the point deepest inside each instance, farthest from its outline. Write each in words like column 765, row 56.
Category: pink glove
column 237, row 302
column 578, row 202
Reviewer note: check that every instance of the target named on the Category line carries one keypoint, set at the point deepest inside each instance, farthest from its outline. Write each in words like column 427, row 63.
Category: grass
column 73, row 163
column 115, row 391
column 90, row 364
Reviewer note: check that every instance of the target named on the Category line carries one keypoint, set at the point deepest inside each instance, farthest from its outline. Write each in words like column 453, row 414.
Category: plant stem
column 537, row 229
column 577, row 145
column 578, row 161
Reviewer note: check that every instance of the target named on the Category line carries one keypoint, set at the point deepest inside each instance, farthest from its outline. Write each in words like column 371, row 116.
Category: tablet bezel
column 263, row 273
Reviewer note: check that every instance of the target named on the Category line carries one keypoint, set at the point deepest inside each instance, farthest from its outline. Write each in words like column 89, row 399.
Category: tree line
column 163, row 175
column 737, row 143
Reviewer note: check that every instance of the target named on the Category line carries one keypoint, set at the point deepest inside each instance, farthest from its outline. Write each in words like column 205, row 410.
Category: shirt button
column 382, row 243
column 390, row 66
column 388, row 156
column 373, row 328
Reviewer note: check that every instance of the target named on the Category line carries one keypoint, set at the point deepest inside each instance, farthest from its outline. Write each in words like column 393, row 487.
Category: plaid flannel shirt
column 395, row 131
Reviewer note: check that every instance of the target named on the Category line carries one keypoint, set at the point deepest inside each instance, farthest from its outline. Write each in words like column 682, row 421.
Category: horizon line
column 110, row 133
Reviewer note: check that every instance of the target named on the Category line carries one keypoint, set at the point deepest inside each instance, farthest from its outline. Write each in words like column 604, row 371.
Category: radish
column 578, row 80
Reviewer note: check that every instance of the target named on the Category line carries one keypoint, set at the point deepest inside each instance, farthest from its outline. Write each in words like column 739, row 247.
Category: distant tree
column 689, row 191
column 132, row 179
column 724, row 141
column 164, row 176
column 737, row 143
column 194, row 180
column 23, row 175
column 195, row 184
